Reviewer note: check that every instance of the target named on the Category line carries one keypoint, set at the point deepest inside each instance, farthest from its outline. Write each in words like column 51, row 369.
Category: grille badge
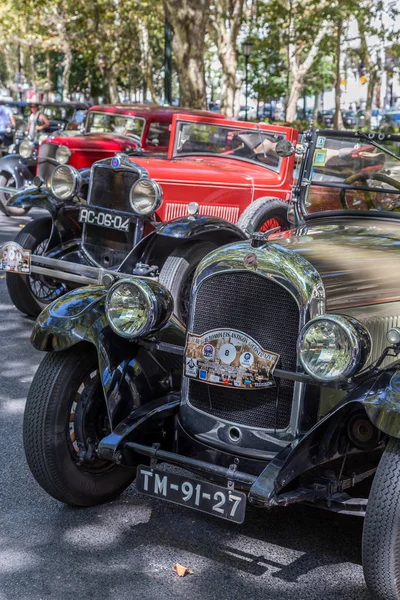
column 115, row 162
column 250, row 261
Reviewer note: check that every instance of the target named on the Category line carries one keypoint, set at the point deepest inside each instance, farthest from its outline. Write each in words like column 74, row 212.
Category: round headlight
column 26, row 149
column 333, row 347
column 65, row 182
column 145, row 197
column 62, row 155
column 137, row 307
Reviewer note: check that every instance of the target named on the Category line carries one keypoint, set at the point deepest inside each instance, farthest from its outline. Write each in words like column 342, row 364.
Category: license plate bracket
column 193, row 493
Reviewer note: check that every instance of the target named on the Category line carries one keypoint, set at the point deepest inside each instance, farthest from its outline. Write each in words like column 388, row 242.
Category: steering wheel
column 365, row 176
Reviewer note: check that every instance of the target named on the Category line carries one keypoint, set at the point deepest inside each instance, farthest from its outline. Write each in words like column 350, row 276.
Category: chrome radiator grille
column 264, row 310
column 109, row 190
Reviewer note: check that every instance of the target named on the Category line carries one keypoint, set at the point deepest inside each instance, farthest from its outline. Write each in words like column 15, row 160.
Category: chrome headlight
column 62, row 155
column 136, row 307
column 145, row 197
column 332, row 347
column 26, row 149
column 65, row 182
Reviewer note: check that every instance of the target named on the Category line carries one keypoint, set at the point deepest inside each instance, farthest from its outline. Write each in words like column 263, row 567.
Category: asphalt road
column 126, row 549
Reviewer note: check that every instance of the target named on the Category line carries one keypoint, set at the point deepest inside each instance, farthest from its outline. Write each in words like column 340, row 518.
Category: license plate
column 14, row 259
column 103, row 218
column 198, row 495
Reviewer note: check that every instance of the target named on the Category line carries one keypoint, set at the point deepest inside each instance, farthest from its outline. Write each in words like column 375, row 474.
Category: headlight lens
column 145, row 197
column 135, row 308
column 62, row 155
column 26, row 149
column 333, row 347
column 65, row 182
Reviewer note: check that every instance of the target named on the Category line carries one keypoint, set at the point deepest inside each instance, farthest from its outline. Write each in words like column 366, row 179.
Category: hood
column 95, row 141
column 207, row 170
column 358, row 259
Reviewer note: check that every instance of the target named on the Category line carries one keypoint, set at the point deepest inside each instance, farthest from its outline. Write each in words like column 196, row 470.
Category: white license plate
column 198, row 495
column 14, row 259
column 103, row 218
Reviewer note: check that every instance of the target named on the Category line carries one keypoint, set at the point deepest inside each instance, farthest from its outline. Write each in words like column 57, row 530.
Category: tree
column 226, row 17
column 188, row 20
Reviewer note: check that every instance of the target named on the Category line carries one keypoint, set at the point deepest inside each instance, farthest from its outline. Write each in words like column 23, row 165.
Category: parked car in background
column 109, row 129
column 284, row 388
column 376, row 118
column 349, row 118
column 390, row 120
column 218, row 169
column 18, row 167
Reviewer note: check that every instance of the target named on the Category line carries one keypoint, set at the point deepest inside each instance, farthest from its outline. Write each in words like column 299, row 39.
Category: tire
column 24, row 290
column 51, row 447
column 381, row 535
column 264, row 214
column 177, row 273
column 7, row 180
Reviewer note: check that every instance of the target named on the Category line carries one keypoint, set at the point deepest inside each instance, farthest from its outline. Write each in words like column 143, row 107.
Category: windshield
column 98, row 122
column 54, row 112
column 230, row 142
column 349, row 173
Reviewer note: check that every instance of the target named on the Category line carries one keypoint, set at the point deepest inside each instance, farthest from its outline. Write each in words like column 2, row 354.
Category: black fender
column 323, row 442
column 159, row 244
column 132, row 373
column 38, row 198
column 22, row 169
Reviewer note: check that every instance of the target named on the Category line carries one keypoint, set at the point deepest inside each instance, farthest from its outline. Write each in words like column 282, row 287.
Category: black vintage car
column 104, row 218
column 18, row 168
column 285, row 386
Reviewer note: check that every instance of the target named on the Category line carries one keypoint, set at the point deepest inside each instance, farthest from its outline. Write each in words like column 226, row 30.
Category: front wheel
column 8, row 180
column 264, row 214
column 32, row 293
column 65, row 418
column 381, row 536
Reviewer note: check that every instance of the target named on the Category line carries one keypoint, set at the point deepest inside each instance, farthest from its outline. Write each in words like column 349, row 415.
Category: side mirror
column 285, row 148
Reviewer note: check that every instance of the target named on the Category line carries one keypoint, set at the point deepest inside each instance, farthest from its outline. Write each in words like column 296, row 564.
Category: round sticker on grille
column 246, row 359
column 227, row 353
column 115, row 162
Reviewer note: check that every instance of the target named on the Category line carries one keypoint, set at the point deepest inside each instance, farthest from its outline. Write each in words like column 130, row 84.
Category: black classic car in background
column 104, row 218
column 285, row 386
column 18, row 167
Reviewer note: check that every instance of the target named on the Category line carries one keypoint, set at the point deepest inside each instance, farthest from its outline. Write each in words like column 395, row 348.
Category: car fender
column 132, row 373
column 322, row 442
column 36, row 197
column 159, row 244
column 18, row 167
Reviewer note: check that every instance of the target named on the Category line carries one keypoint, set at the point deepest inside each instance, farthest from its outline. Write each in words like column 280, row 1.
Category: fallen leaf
column 2, row 276
column 181, row 570
column 22, row 225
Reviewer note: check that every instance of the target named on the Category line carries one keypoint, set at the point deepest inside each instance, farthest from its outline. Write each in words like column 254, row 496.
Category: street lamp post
column 247, row 47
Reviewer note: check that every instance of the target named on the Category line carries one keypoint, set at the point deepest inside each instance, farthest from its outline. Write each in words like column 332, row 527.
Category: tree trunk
column 66, row 64
column 337, row 119
column 188, row 19
column 147, row 60
column 373, row 78
column 225, row 22
column 298, row 71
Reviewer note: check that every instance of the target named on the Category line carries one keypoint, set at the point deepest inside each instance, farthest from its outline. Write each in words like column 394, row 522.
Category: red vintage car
column 110, row 129
column 230, row 168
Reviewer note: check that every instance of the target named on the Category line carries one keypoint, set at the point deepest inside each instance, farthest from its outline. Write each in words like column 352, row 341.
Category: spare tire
column 264, row 214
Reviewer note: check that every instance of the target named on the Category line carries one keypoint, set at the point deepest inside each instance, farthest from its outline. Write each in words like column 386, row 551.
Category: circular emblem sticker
column 250, row 260
column 208, row 351
column 246, row 359
column 115, row 162
column 227, row 353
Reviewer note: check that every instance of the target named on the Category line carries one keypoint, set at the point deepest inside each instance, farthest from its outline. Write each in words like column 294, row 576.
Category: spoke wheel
column 8, row 180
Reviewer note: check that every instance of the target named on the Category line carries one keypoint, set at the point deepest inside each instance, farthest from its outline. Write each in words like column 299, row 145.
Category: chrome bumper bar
column 68, row 271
